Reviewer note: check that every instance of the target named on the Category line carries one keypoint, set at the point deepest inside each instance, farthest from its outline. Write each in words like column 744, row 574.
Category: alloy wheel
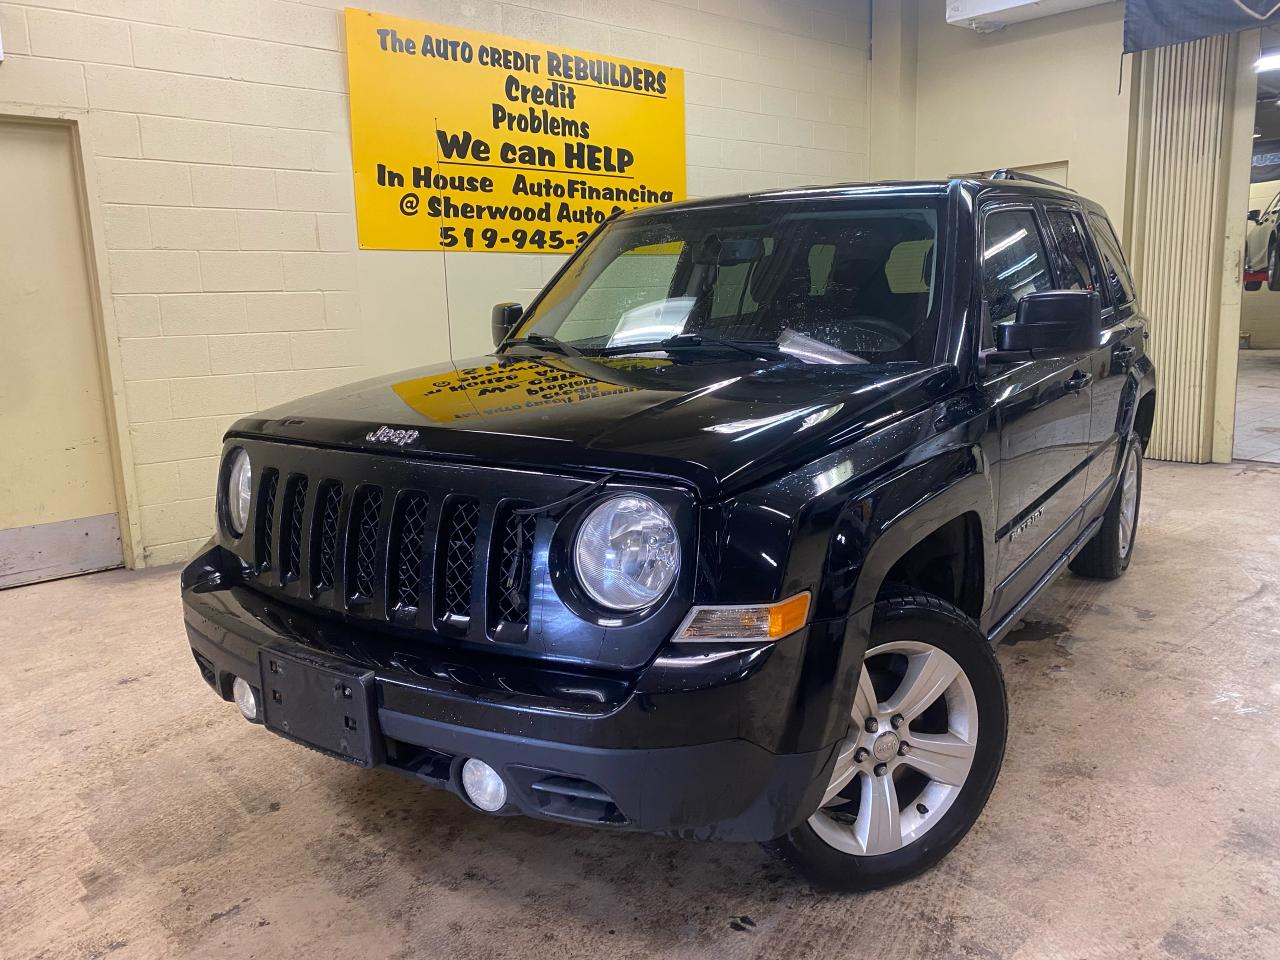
column 914, row 732
column 1128, row 501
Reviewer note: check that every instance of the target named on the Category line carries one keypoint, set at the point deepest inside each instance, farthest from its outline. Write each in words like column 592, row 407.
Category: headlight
column 239, row 491
column 627, row 553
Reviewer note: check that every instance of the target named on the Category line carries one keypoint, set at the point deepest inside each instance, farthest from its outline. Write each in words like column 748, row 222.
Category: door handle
column 1123, row 353
column 1077, row 382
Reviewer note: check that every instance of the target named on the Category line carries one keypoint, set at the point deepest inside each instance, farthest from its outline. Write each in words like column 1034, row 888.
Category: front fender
column 891, row 537
column 836, row 527
column 877, row 528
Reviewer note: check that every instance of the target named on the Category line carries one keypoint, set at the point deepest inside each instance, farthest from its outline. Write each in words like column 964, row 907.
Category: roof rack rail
column 1010, row 173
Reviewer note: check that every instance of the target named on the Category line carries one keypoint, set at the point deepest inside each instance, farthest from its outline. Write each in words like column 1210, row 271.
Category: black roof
column 914, row 188
column 1011, row 182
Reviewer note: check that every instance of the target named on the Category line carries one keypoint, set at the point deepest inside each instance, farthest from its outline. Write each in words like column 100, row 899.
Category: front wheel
column 925, row 744
column 1273, row 266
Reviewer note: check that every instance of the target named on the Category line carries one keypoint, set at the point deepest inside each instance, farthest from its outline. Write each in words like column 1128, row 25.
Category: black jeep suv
column 716, row 543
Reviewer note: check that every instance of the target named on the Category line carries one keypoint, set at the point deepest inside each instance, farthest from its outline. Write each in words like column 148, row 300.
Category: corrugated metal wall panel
column 1178, row 230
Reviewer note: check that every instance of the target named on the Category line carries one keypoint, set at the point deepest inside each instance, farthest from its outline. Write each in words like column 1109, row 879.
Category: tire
column 835, row 849
column 1107, row 555
column 1273, row 265
column 1252, row 285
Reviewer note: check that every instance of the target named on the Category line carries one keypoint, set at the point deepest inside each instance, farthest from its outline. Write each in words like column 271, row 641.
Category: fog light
column 245, row 698
column 483, row 786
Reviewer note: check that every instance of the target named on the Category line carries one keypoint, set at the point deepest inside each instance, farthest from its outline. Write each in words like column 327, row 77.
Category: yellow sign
column 470, row 141
column 511, row 387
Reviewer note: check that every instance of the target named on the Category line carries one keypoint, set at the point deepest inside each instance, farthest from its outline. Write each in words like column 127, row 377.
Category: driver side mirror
column 1054, row 323
column 503, row 320
column 1255, row 216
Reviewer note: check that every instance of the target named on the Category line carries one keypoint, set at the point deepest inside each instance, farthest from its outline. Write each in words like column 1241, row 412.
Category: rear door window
column 1078, row 267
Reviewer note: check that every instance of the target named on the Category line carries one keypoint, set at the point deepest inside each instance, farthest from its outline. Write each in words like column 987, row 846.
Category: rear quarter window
column 1080, row 270
column 1119, row 280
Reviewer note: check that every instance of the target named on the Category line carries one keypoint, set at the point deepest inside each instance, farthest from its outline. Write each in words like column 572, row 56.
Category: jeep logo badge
column 388, row 435
column 885, row 746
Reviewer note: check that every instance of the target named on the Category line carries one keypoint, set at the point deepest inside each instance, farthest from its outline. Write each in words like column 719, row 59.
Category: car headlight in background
column 239, row 492
column 627, row 553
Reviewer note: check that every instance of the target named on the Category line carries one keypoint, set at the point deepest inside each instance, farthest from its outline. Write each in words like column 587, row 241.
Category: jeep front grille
column 435, row 559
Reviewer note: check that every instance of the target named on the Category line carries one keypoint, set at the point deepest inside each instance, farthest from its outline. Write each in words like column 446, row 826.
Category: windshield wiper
column 547, row 343
column 767, row 350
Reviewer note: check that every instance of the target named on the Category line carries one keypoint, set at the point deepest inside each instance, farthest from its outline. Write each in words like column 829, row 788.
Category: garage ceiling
column 1268, row 111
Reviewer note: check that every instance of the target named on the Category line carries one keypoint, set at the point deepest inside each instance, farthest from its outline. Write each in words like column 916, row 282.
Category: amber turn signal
column 788, row 616
column 771, row 621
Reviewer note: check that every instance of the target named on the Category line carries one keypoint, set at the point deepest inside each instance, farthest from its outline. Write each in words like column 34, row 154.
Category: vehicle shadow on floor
column 393, row 833
column 612, row 882
column 410, row 845
column 447, row 872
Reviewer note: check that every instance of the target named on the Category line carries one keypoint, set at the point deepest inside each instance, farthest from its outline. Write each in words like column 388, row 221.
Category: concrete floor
column 1257, row 435
column 1136, row 816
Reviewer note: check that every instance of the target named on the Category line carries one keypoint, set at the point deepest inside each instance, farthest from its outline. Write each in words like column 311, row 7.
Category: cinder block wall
column 218, row 137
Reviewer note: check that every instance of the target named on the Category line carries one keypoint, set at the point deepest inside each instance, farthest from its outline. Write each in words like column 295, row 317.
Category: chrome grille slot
column 325, row 535
column 460, row 525
column 409, row 535
column 266, row 514
column 291, row 528
column 362, row 567
column 511, row 559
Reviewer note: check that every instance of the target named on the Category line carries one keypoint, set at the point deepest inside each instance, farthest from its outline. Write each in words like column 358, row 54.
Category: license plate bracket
column 321, row 704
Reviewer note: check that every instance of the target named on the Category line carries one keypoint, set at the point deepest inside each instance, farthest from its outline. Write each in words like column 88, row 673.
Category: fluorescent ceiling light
column 1267, row 63
column 1004, row 244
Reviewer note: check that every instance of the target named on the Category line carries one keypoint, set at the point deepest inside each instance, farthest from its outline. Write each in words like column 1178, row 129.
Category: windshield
column 832, row 282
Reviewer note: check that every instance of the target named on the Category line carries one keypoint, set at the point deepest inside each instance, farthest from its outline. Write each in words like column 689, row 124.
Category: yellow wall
column 1260, row 310
column 218, row 171
column 1054, row 93
column 1041, row 92
column 892, row 110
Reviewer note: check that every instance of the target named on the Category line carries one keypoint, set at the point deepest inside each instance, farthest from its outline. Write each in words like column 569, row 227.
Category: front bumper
column 706, row 746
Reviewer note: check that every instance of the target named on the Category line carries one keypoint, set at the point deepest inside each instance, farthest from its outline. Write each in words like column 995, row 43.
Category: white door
column 58, row 512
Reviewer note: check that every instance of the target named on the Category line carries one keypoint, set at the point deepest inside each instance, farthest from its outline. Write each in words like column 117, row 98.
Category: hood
column 718, row 424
